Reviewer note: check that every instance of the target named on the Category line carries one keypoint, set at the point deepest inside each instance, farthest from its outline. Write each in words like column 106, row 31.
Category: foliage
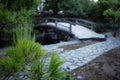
column 24, row 50
column 55, row 66
column 52, row 4
column 9, row 19
column 9, row 66
column 13, row 20
column 27, row 49
column 40, row 71
column 112, row 15
column 98, row 8
column 15, row 5
column 106, row 12
column 71, row 8
column 23, row 32
column 3, row 14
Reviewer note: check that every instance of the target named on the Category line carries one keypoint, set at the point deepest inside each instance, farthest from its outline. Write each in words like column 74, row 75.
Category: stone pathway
column 78, row 57
column 55, row 47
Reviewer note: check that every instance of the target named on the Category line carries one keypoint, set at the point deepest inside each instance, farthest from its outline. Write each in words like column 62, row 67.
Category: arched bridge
column 79, row 28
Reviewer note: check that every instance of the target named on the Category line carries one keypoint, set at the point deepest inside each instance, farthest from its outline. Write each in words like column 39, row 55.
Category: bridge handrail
column 71, row 21
column 86, row 23
column 81, row 22
column 59, row 20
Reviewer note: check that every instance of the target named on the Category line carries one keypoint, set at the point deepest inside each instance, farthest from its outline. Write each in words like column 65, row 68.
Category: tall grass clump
column 9, row 66
column 55, row 66
column 41, row 71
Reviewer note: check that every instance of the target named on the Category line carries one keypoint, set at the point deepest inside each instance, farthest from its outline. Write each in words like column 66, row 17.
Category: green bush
column 29, row 49
column 9, row 66
column 24, row 48
column 40, row 71
column 3, row 14
column 25, row 44
column 17, row 56
column 55, row 66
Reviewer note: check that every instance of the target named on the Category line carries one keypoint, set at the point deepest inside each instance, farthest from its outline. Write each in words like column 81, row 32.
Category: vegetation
column 24, row 49
column 105, row 12
column 9, row 66
column 16, row 17
column 53, row 71
column 15, row 5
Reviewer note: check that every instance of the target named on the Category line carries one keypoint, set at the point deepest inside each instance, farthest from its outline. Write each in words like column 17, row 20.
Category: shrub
column 38, row 70
column 55, row 66
column 53, row 71
column 24, row 50
column 9, row 66
column 17, row 56
column 29, row 49
column 3, row 14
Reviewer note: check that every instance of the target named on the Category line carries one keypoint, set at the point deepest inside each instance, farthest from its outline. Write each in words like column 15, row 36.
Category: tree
column 53, row 5
column 113, row 17
column 71, row 8
column 19, row 4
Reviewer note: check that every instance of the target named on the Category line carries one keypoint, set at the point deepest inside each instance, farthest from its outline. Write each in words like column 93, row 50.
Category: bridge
column 79, row 28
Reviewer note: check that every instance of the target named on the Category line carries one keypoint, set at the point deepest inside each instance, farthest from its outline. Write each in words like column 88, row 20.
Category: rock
column 73, row 67
column 28, row 67
column 11, row 78
column 21, row 75
column 28, row 79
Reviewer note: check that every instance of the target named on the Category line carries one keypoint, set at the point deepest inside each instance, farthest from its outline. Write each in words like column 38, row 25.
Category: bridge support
column 70, row 28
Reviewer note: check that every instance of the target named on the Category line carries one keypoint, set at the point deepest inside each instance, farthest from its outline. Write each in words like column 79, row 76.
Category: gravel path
column 81, row 56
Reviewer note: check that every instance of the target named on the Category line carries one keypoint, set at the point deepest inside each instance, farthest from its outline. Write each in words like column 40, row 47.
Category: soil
column 105, row 67
column 118, row 34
